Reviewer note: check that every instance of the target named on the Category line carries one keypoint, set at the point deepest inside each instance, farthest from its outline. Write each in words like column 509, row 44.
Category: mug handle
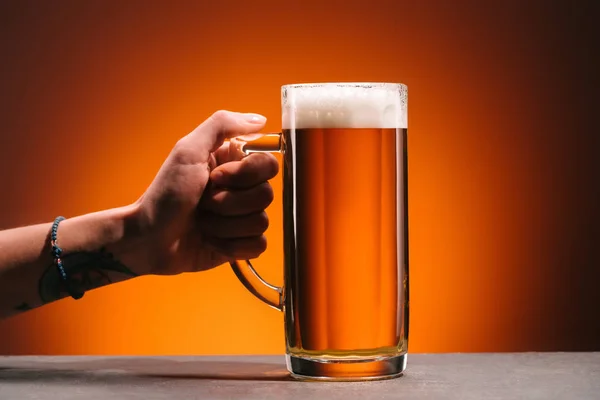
column 264, row 291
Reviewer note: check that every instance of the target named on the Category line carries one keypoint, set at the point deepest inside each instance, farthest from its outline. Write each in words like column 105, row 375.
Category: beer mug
column 345, row 227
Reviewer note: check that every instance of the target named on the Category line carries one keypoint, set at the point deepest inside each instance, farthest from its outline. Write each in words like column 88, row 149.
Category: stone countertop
column 465, row 376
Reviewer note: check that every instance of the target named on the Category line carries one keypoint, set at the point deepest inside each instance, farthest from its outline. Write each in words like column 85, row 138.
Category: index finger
column 246, row 173
column 231, row 150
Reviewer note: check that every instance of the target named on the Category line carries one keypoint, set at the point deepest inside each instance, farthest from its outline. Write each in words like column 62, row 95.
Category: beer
column 345, row 222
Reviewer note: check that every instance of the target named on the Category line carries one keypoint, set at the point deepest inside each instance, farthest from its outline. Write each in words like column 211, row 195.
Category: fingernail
column 255, row 118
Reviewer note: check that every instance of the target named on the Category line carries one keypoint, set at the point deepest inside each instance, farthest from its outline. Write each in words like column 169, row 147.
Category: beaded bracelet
column 56, row 253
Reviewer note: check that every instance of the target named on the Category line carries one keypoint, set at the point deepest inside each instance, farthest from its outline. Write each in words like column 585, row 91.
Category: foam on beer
column 344, row 106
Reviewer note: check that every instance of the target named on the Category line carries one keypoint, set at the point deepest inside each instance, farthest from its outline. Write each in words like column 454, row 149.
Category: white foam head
column 344, row 105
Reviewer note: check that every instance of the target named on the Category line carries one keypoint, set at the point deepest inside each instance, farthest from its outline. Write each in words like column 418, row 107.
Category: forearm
column 97, row 249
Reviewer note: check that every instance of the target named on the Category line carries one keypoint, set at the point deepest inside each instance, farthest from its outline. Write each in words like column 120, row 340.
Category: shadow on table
column 117, row 370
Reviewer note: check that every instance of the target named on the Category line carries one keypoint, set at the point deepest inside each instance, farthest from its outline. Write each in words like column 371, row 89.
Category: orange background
column 504, row 188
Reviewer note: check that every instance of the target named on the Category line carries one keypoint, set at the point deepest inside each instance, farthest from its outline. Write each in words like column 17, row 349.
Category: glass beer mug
column 345, row 292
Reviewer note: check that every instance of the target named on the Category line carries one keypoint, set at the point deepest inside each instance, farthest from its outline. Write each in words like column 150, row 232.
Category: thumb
column 222, row 125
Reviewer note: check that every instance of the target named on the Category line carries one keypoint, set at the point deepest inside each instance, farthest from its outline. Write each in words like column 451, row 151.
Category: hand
column 206, row 205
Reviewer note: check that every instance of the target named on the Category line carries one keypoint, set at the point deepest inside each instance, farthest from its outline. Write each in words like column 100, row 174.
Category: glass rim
column 366, row 85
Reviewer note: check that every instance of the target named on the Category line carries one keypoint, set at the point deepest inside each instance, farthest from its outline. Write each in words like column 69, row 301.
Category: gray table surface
column 428, row 376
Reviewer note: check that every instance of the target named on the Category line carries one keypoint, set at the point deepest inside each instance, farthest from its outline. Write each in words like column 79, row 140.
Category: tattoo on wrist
column 85, row 271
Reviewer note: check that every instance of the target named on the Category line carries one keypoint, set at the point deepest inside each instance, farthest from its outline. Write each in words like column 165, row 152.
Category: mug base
column 304, row 368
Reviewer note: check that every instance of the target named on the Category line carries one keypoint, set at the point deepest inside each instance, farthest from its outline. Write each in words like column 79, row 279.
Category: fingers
column 246, row 173
column 239, row 202
column 247, row 226
column 208, row 136
column 232, row 217
column 240, row 249
column 233, row 221
column 236, row 237
column 231, row 150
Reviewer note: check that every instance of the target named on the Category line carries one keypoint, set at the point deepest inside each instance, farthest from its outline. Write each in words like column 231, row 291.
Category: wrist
column 117, row 232
column 127, row 238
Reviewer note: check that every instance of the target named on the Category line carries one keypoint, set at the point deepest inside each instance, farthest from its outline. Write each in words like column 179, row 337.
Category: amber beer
column 345, row 292
column 343, row 280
